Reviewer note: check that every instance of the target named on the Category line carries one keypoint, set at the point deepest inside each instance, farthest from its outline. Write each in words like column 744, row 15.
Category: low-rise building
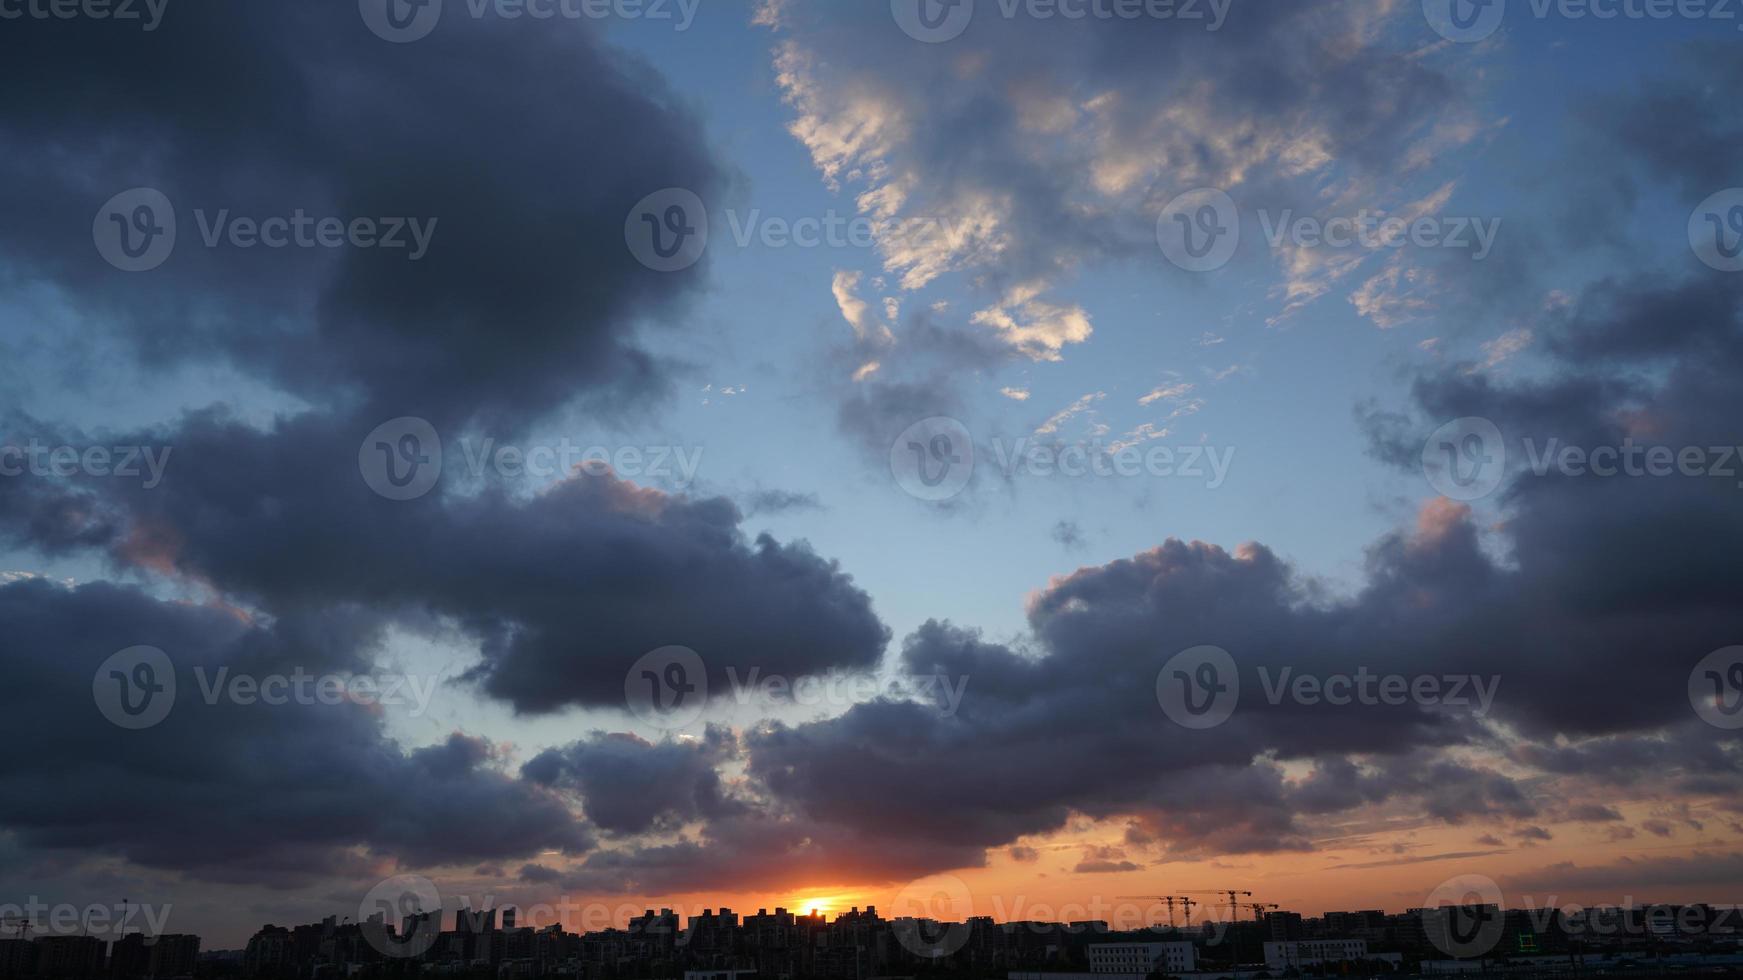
column 1140, row 959
column 1312, row 952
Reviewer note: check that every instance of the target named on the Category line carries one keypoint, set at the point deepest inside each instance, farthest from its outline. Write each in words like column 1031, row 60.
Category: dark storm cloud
column 1679, row 127
column 538, row 874
column 768, row 850
column 563, row 591
column 1603, row 617
column 1421, row 858
column 1445, row 789
column 875, row 412
column 527, row 296
column 1099, row 859
column 1591, row 624
column 231, row 791
column 1612, row 882
column 1104, row 867
column 526, row 302
column 630, row 786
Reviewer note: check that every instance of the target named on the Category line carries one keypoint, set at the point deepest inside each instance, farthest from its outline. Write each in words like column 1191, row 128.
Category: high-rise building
column 1282, row 927
column 173, row 956
column 269, row 952
column 419, row 924
column 17, row 957
column 70, row 956
column 128, row 957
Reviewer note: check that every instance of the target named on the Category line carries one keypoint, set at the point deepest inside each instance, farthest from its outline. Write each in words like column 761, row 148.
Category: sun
column 829, row 905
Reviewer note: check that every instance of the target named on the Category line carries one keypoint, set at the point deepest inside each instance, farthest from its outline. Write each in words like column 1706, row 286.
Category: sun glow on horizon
column 827, row 905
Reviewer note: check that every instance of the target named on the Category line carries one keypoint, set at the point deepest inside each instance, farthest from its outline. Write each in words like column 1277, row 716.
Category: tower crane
column 1169, row 901
column 1259, row 910
column 1234, row 903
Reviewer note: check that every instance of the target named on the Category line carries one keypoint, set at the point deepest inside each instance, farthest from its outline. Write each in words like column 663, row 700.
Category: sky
column 829, row 454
